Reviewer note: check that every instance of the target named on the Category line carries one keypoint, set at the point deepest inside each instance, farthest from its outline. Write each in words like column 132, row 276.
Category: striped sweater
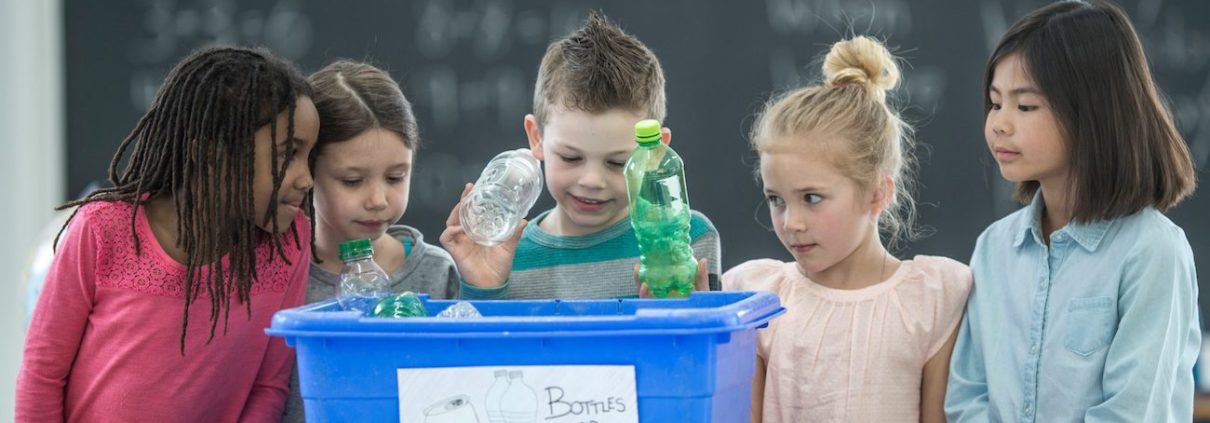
column 594, row 266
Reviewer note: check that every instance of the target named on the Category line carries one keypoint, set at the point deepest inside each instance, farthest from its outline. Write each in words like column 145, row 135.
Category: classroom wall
column 32, row 176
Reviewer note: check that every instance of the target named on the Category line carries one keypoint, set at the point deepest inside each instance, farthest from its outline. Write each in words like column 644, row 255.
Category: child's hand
column 701, row 280
column 484, row 267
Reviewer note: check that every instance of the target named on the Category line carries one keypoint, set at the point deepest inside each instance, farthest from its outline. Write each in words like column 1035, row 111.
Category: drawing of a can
column 455, row 409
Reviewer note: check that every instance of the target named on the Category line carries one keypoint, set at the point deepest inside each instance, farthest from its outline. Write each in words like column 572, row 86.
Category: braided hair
column 196, row 146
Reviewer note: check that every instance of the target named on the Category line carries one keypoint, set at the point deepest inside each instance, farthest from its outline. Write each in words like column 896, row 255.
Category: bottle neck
column 358, row 258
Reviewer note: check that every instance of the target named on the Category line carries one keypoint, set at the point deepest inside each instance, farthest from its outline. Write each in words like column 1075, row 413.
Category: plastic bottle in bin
column 659, row 212
column 362, row 281
column 406, row 304
column 460, row 310
column 503, row 195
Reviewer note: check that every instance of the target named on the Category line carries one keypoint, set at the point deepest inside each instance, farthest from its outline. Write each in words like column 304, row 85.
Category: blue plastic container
column 693, row 358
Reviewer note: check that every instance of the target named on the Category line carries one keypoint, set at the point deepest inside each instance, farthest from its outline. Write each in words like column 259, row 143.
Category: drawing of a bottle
column 494, row 393
column 519, row 404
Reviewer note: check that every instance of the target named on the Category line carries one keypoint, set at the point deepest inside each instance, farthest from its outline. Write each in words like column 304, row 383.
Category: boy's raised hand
column 481, row 266
column 701, row 280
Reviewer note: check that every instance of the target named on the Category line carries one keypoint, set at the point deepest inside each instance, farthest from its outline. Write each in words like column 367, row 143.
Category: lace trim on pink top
column 155, row 273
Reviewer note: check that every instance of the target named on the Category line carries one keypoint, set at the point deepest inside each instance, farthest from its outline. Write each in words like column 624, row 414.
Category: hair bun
column 862, row 61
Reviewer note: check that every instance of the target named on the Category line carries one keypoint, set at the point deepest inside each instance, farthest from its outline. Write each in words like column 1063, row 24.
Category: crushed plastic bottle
column 503, row 195
column 460, row 310
column 659, row 213
column 406, row 304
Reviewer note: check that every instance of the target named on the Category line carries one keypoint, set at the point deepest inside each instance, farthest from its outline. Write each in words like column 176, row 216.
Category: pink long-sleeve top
column 104, row 340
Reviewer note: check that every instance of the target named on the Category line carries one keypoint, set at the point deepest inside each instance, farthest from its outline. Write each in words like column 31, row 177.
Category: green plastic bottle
column 659, row 212
column 406, row 304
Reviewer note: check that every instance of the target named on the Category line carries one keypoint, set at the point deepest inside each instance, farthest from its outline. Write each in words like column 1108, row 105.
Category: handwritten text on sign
column 539, row 394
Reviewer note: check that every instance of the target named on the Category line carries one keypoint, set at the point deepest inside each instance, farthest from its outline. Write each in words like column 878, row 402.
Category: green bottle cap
column 355, row 249
column 647, row 131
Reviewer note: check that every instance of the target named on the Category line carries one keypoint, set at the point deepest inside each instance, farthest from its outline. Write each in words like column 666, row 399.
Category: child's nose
column 378, row 197
column 1000, row 125
column 303, row 181
column 794, row 219
column 592, row 178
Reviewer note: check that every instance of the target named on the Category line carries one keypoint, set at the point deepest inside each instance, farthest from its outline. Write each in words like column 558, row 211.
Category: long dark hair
column 1125, row 151
column 196, row 145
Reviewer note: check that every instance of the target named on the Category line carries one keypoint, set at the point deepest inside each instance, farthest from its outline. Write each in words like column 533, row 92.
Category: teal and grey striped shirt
column 593, row 266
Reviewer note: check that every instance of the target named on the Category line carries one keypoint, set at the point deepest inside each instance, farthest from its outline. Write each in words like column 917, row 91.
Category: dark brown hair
column 352, row 98
column 1125, row 151
column 597, row 68
column 197, row 146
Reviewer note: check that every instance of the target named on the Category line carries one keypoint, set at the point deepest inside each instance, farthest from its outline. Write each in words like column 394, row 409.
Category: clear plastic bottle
column 362, row 282
column 503, row 195
column 659, row 212
column 519, row 404
column 492, row 401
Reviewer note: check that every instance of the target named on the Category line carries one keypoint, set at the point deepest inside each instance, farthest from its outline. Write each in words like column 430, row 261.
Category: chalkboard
column 469, row 68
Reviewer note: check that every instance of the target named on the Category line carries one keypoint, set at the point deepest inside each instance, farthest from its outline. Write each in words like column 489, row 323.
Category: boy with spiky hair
column 593, row 86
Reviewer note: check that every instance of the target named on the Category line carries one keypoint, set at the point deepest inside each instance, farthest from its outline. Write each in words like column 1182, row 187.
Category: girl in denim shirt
column 1085, row 300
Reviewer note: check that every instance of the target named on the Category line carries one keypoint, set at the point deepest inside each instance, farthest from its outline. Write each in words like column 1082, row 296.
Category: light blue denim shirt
column 1100, row 326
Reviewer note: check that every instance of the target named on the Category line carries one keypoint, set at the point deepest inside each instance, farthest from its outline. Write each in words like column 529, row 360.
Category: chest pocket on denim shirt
column 1090, row 324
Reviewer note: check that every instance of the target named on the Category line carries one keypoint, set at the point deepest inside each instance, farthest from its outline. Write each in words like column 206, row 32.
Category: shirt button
column 1059, row 237
column 1028, row 409
column 1033, row 349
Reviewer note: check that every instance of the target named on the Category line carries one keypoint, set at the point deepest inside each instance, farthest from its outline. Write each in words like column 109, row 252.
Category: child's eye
column 617, row 164
column 774, row 200
column 395, row 179
column 1025, row 108
column 350, row 182
column 995, row 106
column 570, row 159
column 813, row 198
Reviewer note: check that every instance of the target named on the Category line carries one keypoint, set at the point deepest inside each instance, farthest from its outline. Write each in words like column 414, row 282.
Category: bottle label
column 557, row 394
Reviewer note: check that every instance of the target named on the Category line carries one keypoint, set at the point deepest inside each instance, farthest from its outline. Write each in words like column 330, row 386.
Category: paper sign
column 514, row 394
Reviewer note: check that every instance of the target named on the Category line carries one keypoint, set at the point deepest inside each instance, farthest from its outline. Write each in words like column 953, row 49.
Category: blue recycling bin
column 693, row 358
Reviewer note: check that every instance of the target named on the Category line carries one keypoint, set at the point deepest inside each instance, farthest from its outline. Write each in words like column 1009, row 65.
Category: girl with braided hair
column 205, row 217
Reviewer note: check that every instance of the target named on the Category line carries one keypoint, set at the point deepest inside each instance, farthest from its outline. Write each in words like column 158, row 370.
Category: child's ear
column 534, row 133
column 665, row 135
column 884, row 193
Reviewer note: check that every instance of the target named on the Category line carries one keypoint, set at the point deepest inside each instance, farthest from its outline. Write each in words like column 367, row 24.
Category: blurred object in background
column 34, row 275
column 469, row 67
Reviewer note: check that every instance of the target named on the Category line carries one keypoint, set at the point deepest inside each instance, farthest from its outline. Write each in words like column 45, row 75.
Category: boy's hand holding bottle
column 480, row 265
column 701, row 280
column 483, row 230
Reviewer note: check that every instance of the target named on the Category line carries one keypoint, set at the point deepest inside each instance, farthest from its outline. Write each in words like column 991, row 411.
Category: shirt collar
column 1087, row 234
